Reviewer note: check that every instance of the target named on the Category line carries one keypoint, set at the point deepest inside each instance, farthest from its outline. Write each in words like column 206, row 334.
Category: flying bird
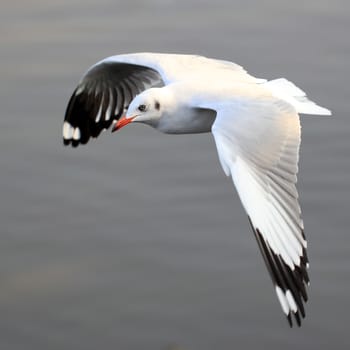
column 256, row 127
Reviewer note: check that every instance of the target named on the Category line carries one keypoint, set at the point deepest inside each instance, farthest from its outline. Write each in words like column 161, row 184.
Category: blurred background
column 138, row 240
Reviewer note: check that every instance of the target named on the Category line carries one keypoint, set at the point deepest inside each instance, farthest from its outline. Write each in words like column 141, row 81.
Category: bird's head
column 146, row 108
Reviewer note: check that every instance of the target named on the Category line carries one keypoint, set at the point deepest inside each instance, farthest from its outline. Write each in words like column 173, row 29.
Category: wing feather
column 102, row 96
column 258, row 145
column 89, row 109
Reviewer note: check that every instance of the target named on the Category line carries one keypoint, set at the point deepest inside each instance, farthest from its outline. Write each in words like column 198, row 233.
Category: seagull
column 256, row 128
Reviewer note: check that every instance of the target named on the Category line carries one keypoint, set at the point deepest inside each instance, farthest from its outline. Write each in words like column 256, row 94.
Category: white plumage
column 255, row 124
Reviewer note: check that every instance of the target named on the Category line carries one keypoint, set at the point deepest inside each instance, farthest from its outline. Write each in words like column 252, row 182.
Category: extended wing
column 108, row 87
column 102, row 96
column 258, row 145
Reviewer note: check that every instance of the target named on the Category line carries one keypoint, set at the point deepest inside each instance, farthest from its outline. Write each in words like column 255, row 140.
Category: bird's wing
column 102, row 96
column 258, row 145
column 180, row 67
column 108, row 87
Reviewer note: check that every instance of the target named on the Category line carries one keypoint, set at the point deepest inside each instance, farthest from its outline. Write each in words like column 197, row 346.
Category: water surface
column 138, row 240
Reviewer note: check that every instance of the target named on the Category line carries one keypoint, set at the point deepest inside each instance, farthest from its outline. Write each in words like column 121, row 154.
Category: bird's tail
column 286, row 90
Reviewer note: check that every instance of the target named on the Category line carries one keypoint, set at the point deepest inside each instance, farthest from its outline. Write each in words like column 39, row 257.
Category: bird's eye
column 142, row 108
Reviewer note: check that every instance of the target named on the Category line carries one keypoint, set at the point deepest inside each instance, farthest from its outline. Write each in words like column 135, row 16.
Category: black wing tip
column 102, row 96
column 79, row 121
column 298, row 319
column 283, row 277
column 74, row 143
column 71, row 144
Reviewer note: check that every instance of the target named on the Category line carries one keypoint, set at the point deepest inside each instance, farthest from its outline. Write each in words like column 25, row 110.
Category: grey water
column 138, row 240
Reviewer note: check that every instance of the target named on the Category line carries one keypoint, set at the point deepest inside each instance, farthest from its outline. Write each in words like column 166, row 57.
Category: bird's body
column 255, row 124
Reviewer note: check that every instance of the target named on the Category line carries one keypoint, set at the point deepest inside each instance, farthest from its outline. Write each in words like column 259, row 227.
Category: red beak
column 122, row 122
